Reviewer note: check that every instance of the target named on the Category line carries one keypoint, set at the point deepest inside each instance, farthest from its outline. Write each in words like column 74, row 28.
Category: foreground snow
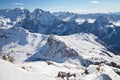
column 42, row 71
column 9, row 71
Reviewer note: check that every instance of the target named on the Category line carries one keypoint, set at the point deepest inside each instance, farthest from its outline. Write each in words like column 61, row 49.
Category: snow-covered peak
column 37, row 12
column 13, row 13
column 44, row 17
column 66, row 16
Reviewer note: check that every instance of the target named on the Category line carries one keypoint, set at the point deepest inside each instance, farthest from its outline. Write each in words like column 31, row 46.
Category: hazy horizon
column 75, row 6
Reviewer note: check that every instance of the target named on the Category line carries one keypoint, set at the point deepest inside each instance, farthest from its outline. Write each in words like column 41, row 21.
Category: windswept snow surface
column 9, row 71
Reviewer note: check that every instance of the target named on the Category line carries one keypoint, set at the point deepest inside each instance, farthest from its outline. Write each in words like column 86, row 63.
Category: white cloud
column 94, row 2
column 18, row 4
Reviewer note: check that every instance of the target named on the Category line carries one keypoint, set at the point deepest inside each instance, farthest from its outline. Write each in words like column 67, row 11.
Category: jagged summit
column 38, row 11
column 44, row 17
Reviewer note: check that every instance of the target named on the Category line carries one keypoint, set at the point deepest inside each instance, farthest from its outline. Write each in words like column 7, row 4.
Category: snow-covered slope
column 20, row 43
column 43, row 70
column 25, row 46
column 9, row 71
column 82, row 47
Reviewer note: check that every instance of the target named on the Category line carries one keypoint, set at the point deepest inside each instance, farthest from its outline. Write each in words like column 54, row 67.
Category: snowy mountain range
column 44, row 43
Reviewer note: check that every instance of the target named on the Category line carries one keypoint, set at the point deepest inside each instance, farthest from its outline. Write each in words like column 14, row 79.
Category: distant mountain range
column 105, row 26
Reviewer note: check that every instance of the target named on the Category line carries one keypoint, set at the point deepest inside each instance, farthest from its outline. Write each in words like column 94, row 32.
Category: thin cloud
column 94, row 2
column 18, row 4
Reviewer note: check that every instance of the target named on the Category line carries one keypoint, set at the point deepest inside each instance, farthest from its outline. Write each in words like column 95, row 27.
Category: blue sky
column 77, row 6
